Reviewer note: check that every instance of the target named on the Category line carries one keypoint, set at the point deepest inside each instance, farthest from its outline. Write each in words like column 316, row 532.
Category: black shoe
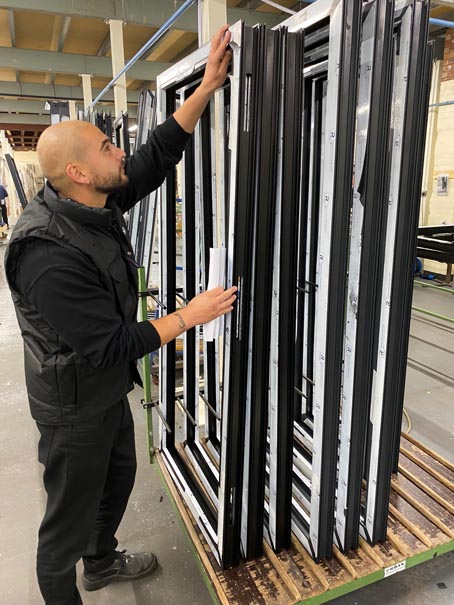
column 124, row 568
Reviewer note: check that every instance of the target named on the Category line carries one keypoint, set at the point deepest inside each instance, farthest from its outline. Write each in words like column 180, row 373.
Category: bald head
column 62, row 144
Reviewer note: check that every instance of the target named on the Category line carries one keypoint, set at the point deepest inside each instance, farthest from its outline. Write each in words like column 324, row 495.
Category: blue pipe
column 442, row 104
column 441, row 22
column 161, row 31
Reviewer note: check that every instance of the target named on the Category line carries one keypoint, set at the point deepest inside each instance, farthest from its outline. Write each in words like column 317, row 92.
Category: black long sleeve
column 148, row 166
column 64, row 288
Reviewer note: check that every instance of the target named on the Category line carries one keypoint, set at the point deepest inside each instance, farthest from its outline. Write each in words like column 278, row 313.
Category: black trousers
column 89, row 474
column 4, row 213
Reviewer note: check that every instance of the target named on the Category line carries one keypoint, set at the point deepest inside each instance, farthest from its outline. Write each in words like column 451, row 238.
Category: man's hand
column 215, row 74
column 209, row 305
column 218, row 61
column 200, row 310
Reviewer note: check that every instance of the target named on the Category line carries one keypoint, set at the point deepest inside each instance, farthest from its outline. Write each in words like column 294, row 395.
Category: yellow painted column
column 72, row 110
column 439, row 206
column 431, row 137
column 212, row 16
column 87, row 90
column 118, row 62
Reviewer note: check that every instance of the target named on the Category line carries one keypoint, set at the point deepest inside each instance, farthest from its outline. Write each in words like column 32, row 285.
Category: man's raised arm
column 215, row 74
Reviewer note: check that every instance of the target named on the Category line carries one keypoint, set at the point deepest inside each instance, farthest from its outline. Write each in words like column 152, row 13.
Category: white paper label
column 389, row 571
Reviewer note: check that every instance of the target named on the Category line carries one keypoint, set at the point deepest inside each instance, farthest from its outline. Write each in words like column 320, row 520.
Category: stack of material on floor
column 436, row 242
column 291, row 420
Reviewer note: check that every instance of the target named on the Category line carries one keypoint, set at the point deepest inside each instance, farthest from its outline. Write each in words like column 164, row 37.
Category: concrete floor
column 151, row 521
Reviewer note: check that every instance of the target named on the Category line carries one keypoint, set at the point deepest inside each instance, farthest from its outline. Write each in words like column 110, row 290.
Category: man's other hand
column 218, row 61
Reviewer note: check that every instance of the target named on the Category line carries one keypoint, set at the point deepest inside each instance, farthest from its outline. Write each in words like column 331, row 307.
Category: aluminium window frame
column 221, row 526
column 16, row 180
column 394, row 310
column 148, row 206
column 344, row 40
column 142, row 224
column 121, row 128
column 418, row 167
column 266, row 118
column 365, row 272
column 283, row 303
column 198, row 237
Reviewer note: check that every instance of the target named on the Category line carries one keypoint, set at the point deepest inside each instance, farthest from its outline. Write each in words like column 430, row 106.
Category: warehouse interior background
column 47, row 51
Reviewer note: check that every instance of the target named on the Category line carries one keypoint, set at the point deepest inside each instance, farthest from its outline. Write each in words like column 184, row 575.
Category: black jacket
column 70, row 378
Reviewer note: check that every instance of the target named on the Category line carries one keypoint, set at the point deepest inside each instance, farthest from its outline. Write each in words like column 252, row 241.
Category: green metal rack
column 420, row 527
column 145, row 363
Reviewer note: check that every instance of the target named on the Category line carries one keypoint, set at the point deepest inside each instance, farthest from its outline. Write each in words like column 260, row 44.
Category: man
column 72, row 275
column 4, row 209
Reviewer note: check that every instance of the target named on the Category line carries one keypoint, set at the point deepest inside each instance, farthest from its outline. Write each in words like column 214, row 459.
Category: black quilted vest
column 63, row 387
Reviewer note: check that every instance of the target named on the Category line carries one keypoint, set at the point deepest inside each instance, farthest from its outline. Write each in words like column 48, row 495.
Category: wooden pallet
column 420, row 526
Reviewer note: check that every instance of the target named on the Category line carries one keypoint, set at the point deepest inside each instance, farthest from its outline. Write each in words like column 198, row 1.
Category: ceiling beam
column 26, row 123
column 12, row 28
column 68, row 63
column 56, row 30
column 249, row 4
column 37, row 107
column 59, row 33
column 139, row 12
column 53, row 44
column 20, row 105
column 439, row 11
column 449, row 3
column 12, row 35
column 105, row 47
column 47, row 91
column 63, row 34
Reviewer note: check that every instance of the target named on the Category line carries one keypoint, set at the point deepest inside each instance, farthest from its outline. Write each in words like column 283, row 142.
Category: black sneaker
column 123, row 569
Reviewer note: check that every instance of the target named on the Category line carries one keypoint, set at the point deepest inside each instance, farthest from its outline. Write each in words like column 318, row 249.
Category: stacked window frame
column 214, row 497
column 365, row 269
column 320, row 183
column 143, row 216
column 277, row 118
column 315, row 446
column 412, row 77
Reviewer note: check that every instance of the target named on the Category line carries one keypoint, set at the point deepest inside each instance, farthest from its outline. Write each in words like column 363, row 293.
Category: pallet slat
column 427, row 483
column 420, row 501
column 421, row 520
column 431, row 466
column 449, row 465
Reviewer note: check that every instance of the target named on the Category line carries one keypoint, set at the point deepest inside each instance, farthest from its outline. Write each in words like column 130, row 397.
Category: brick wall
column 448, row 57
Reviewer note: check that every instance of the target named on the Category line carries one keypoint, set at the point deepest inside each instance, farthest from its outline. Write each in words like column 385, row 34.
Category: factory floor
column 151, row 521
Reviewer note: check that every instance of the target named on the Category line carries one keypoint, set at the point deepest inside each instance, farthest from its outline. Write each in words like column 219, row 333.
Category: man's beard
column 111, row 183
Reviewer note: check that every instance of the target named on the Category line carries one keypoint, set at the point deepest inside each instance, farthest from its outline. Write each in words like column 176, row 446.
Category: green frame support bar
column 329, row 595
column 449, row 290
column 432, row 314
column 146, row 376
column 380, row 574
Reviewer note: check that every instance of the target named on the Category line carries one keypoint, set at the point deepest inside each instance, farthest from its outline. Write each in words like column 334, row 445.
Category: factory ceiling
column 46, row 46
